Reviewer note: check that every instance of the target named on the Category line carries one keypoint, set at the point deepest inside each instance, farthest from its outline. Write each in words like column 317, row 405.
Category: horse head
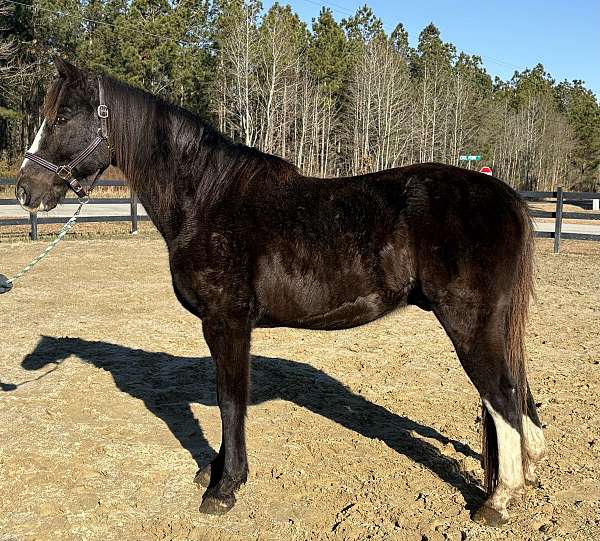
column 68, row 145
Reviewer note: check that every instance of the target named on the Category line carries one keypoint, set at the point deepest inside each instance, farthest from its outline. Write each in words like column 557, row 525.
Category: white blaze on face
column 35, row 146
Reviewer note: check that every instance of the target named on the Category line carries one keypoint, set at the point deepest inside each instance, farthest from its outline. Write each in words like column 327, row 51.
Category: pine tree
column 583, row 114
column 363, row 27
column 328, row 54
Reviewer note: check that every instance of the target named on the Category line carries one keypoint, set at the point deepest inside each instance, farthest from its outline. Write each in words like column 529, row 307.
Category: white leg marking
column 535, row 443
column 35, row 146
column 535, row 447
column 510, row 474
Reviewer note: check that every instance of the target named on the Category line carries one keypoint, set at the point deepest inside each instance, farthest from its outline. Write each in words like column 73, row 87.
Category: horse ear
column 66, row 69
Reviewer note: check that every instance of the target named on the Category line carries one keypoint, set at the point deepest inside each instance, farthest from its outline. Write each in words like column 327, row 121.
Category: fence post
column 33, row 220
column 134, row 213
column 558, row 219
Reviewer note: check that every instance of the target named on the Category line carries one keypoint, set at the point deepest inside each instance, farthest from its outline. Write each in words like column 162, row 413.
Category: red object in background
column 486, row 170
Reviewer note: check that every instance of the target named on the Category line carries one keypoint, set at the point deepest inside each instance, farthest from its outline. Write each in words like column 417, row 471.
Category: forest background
column 339, row 97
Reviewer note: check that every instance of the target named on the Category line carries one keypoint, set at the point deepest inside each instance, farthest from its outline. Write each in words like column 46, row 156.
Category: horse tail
column 514, row 340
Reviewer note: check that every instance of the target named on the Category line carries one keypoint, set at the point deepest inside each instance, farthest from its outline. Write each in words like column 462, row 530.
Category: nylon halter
column 65, row 172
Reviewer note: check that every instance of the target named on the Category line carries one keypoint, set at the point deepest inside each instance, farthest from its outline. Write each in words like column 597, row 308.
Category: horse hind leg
column 478, row 334
column 534, row 441
column 211, row 472
column 502, row 406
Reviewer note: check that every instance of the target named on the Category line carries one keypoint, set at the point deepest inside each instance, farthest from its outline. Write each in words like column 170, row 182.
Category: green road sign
column 469, row 158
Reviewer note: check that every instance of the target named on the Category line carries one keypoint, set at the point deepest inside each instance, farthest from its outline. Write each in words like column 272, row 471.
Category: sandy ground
column 107, row 403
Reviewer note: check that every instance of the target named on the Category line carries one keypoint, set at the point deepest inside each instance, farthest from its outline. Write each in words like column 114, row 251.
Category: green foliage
column 432, row 51
column 282, row 19
column 328, row 53
column 399, row 40
column 583, row 113
column 363, row 26
column 9, row 114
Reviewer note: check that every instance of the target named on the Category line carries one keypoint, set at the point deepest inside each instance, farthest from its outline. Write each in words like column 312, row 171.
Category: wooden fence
column 34, row 220
column 559, row 197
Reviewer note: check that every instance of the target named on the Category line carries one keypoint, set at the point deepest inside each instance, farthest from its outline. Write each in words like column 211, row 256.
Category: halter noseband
column 65, row 172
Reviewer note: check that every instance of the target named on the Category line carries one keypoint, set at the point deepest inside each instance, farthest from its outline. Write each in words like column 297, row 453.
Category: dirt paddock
column 107, row 403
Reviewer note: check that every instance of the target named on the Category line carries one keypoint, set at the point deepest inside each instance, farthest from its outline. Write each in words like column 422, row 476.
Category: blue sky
column 509, row 35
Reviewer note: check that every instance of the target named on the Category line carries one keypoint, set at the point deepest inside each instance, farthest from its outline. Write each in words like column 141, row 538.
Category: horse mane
column 166, row 151
column 56, row 93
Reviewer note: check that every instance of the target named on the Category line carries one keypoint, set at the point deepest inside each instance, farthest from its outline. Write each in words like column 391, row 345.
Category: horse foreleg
column 229, row 343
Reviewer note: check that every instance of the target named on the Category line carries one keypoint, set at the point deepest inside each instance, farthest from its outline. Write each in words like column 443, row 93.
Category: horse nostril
column 22, row 196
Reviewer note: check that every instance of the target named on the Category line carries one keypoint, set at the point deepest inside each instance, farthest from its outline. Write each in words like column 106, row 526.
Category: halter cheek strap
column 65, row 172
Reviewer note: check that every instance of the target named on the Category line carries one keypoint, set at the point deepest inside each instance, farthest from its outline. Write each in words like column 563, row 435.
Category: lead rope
column 65, row 173
column 7, row 283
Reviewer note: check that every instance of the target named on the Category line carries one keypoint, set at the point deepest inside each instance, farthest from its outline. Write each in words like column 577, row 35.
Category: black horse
column 254, row 243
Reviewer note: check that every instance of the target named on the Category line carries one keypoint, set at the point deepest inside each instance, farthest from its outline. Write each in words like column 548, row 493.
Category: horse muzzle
column 35, row 193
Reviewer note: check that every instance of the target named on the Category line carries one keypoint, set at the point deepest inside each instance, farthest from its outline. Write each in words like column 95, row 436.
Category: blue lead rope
column 6, row 284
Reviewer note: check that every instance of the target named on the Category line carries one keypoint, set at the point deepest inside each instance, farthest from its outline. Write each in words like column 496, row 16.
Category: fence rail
column 560, row 196
column 33, row 220
column 558, row 215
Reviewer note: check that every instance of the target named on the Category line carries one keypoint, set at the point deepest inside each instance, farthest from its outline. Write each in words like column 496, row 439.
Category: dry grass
column 112, row 173
column 93, row 230
column 551, row 207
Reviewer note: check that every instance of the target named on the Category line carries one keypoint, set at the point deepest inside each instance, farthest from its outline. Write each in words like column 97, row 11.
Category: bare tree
column 380, row 105
column 236, row 80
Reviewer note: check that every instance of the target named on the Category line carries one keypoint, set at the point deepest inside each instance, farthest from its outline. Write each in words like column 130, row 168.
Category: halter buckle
column 64, row 172
column 103, row 111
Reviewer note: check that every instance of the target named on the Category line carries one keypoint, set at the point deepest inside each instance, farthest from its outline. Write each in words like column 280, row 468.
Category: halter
column 65, row 172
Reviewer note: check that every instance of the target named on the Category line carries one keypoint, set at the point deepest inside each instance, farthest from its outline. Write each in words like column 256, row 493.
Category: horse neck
column 164, row 153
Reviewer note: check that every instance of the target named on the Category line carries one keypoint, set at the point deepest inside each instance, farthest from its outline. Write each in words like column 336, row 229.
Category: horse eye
column 60, row 120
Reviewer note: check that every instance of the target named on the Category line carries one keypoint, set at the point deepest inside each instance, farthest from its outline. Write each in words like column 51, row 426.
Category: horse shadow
column 169, row 384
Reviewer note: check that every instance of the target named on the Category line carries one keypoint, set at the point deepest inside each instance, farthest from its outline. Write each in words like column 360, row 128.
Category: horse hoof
column 216, row 506
column 519, row 493
column 202, row 478
column 488, row 516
